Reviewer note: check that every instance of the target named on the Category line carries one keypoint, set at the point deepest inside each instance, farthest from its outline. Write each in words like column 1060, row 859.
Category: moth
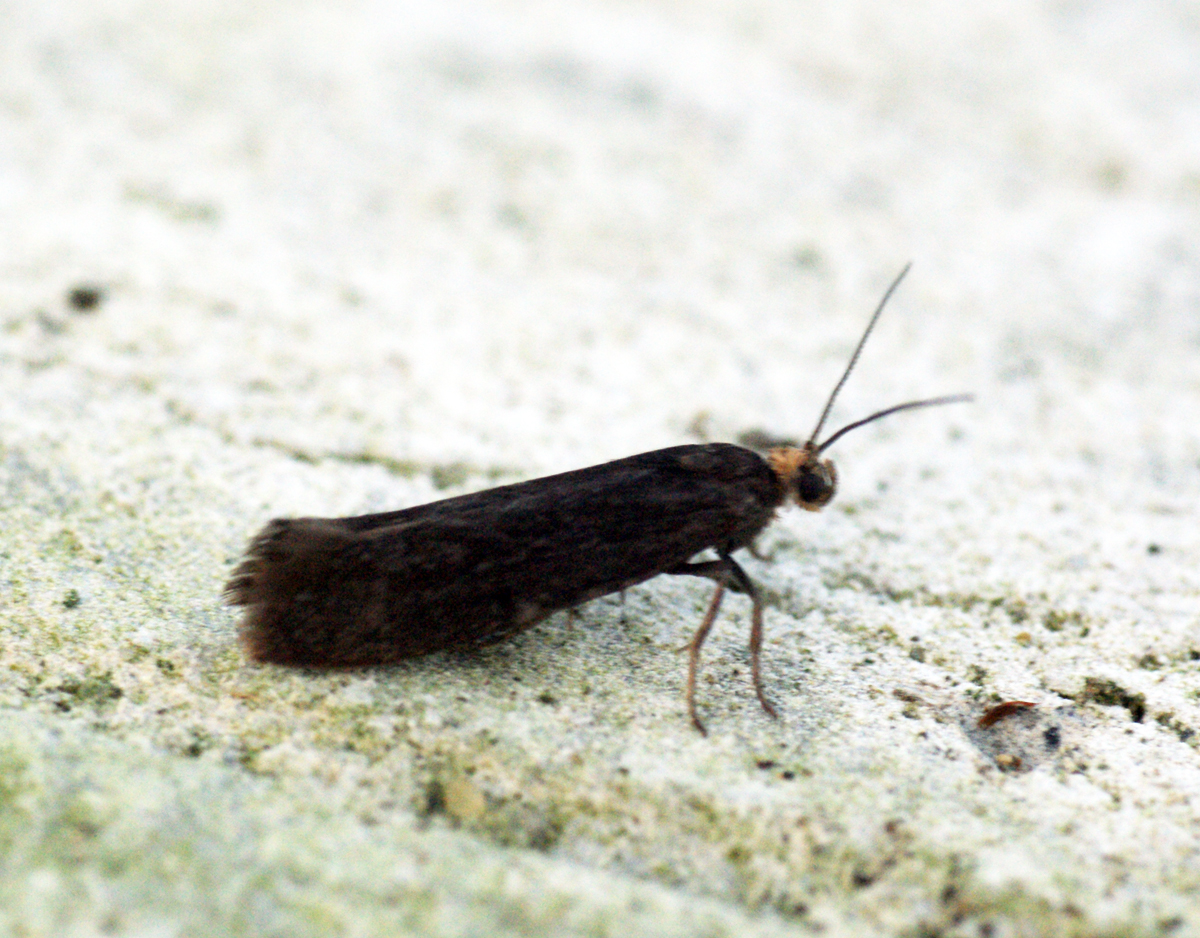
column 476, row 569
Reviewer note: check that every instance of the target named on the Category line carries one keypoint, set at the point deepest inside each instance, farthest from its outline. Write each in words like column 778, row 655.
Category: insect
column 478, row 568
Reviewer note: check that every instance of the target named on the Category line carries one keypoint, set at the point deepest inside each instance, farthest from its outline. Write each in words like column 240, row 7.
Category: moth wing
column 317, row 594
column 477, row 568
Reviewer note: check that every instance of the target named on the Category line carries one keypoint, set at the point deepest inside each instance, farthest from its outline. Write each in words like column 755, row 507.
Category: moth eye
column 812, row 487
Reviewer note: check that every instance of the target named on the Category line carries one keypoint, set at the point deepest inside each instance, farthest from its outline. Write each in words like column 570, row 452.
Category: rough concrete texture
column 356, row 256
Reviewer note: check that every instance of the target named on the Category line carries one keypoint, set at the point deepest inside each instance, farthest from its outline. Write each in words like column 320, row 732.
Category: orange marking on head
column 807, row 480
column 786, row 461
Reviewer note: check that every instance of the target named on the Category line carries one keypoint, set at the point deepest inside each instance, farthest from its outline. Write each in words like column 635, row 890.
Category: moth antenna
column 854, row 358
column 910, row 405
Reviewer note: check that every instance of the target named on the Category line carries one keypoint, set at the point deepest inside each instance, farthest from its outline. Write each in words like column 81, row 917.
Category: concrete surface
column 358, row 256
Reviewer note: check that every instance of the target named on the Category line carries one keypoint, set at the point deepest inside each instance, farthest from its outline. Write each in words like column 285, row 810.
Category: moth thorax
column 805, row 477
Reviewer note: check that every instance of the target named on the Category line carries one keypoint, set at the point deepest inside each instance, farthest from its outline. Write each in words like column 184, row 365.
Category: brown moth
column 478, row 568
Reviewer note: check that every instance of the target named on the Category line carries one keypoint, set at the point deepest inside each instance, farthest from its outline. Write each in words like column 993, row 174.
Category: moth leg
column 693, row 649
column 716, row 570
column 727, row 573
column 756, row 627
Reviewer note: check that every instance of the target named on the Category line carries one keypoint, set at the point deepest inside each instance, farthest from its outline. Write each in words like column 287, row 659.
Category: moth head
column 806, row 478
column 803, row 474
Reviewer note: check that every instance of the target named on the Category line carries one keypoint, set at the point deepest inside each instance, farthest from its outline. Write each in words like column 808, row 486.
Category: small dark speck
column 435, row 798
column 765, row 764
column 71, row 599
column 85, row 298
column 787, row 776
column 547, row 698
column 1053, row 737
column 1153, row 549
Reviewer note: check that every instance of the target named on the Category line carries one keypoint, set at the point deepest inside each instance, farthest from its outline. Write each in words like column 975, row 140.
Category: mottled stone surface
column 275, row 258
